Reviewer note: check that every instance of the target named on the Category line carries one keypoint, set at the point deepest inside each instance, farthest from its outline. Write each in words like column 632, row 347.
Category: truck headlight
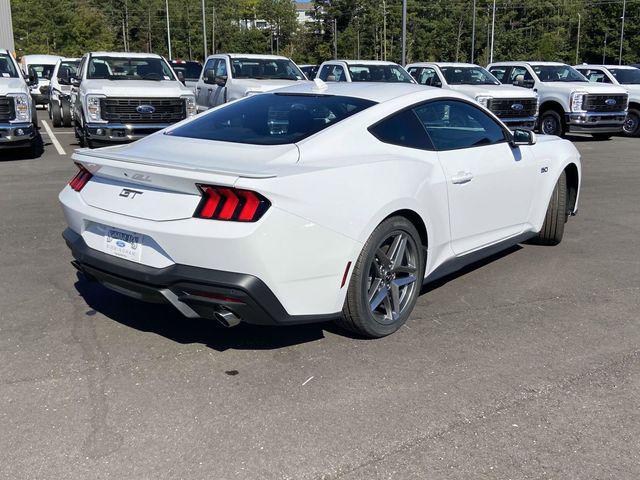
column 190, row 104
column 93, row 108
column 577, row 101
column 483, row 100
column 537, row 104
column 23, row 111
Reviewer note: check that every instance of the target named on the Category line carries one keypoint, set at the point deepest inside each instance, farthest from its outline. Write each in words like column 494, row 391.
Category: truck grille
column 605, row 103
column 7, row 109
column 508, row 107
column 153, row 110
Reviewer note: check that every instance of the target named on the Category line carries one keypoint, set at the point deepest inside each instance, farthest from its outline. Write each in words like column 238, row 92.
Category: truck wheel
column 602, row 136
column 551, row 123
column 631, row 127
column 553, row 226
column 386, row 280
column 66, row 113
column 56, row 115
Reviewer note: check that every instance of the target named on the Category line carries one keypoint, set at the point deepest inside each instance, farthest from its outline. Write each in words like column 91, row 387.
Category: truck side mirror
column 180, row 74
column 209, row 77
column 64, row 76
column 519, row 81
column 75, row 82
column 33, row 77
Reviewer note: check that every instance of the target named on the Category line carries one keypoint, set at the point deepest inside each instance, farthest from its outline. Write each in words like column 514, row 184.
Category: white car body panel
column 326, row 198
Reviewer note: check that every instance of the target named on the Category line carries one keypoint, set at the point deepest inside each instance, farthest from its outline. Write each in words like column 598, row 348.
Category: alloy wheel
column 392, row 277
column 549, row 125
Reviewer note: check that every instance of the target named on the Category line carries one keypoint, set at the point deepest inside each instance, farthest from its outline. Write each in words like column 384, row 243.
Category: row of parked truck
column 110, row 97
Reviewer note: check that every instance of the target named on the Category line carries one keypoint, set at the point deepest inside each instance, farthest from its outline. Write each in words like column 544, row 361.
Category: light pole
column 404, row 32
column 604, row 48
column 578, row 41
column 166, row 4
column 473, row 33
column 624, row 11
column 493, row 27
column 204, row 30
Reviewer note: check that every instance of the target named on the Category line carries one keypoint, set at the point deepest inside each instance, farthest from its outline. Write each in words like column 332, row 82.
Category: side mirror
column 221, row 80
column 75, row 82
column 33, row 77
column 522, row 137
column 209, row 77
column 180, row 74
column 64, row 76
column 518, row 81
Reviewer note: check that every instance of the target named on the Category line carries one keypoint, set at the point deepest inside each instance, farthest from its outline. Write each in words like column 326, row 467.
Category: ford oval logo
column 145, row 109
column 610, row 101
column 517, row 107
column 121, row 244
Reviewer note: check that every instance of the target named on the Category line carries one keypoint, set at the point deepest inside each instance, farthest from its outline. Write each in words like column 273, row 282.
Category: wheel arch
column 573, row 185
column 552, row 105
column 634, row 105
column 416, row 219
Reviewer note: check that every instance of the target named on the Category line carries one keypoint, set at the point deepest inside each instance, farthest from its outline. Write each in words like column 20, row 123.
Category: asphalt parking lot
column 526, row 366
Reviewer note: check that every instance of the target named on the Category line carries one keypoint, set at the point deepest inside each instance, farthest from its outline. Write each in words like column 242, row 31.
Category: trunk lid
column 157, row 179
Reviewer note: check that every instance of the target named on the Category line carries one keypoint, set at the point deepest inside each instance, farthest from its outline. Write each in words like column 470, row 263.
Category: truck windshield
column 43, row 71
column 626, row 76
column 468, row 76
column 558, row 73
column 7, row 67
column 271, row 118
column 265, row 69
column 121, row 68
column 379, row 73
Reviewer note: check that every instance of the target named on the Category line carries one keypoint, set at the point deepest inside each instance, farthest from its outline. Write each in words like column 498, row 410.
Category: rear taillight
column 80, row 180
column 232, row 204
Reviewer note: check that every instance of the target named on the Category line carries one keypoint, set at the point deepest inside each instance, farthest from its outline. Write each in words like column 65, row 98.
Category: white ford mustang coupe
column 315, row 202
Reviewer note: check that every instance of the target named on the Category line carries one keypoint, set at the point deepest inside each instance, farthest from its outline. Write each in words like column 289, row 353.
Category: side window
column 499, row 73
column 517, row 71
column 221, row 68
column 402, row 129
column 426, row 76
column 453, row 124
column 333, row 73
column 597, row 76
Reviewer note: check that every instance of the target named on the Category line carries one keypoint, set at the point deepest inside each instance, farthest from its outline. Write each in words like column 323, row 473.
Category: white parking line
column 53, row 138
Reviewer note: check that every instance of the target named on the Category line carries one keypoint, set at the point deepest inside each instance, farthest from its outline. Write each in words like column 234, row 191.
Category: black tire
column 551, row 123
column 66, row 113
column 553, row 226
column 602, row 136
column 56, row 115
column 631, row 126
column 376, row 276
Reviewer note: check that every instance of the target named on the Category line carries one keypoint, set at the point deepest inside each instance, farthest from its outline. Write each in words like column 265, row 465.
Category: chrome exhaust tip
column 227, row 318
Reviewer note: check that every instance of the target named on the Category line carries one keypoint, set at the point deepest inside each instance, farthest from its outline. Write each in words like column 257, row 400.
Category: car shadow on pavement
column 27, row 153
column 164, row 320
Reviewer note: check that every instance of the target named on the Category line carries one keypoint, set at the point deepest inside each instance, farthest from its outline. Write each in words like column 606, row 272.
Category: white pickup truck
column 568, row 101
column 227, row 77
column 626, row 77
column 18, row 119
column 516, row 107
column 378, row 71
column 43, row 66
column 121, row 97
column 60, row 91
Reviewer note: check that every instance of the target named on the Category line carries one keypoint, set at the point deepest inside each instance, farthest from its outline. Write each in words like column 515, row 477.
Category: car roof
column 446, row 64
column 595, row 65
column 125, row 55
column 374, row 91
column 496, row 64
column 45, row 59
column 362, row 62
column 250, row 55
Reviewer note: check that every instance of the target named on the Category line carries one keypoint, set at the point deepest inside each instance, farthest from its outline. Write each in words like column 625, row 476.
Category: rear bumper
column 594, row 122
column 194, row 291
column 120, row 132
column 16, row 134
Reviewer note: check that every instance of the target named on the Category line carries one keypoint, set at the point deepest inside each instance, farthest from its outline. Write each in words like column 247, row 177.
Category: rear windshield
column 120, row 68
column 265, row 69
column 379, row 73
column 190, row 70
column 272, row 118
column 7, row 67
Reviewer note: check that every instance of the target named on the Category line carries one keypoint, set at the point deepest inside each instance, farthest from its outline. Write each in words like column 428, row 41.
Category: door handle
column 462, row 177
